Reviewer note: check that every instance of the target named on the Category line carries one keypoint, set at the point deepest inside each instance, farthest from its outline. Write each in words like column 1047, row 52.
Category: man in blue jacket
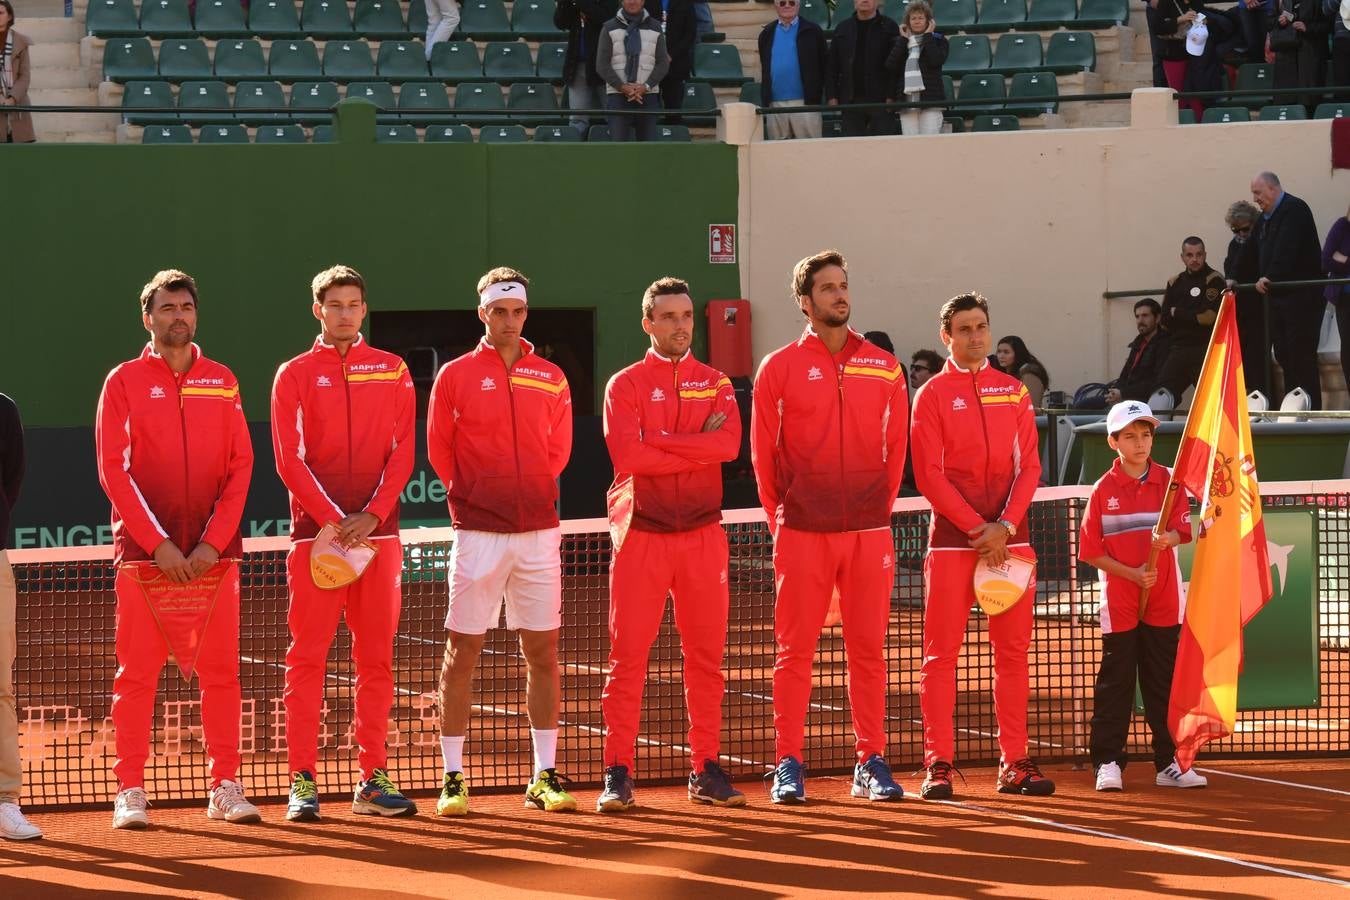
column 791, row 70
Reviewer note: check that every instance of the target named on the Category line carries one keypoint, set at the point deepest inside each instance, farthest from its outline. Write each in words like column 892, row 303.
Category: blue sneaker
column 789, row 781
column 618, row 793
column 379, row 796
column 712, row 785
column 304, row 805
column 872, row 779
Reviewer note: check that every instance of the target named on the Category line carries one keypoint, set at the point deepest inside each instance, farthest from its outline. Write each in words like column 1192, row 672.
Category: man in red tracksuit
column 175, row 460
column 670, row 421
column 342, row 431
column 499, row 432
column 977, row 463
column 828, row 447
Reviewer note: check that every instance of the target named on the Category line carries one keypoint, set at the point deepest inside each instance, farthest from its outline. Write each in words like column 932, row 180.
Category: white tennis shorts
column 524, row 570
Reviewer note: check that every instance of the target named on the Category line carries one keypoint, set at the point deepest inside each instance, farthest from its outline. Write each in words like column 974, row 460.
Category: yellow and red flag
column 1230, row 574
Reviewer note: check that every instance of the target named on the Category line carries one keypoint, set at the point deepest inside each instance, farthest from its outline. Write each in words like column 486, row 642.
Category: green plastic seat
column 223, row 134
column 395, row 134
column 700, row 105
column 400, row 61
column 274, row 18
column 456, row 61
column 322, row 134
column 221, row 19
column 532, row 97
column 380, row 19
column 895, row 9
column 599, row 134
column 422, row 102
column 166, row 18
column 968, row 53
column 326, row 19
column 843, row 9
column 752, row 92
column 816, row 11
column 348, row 61
column 449, row 134
column 502, row 134
column 484, row 20
column 533, row 20
column 1282, row 113
column 1047, row 14
column 1001, row 15
column 1018, row 53
column 1186, row 116
column 1218, row 114
column 294, row 61
column 1032, row 86
column 381, row 93
column 417, row 20
column 549, row 61
column 279, row 134
column 254, row 95
column 184, row 59
column 312, row 102
column 1071, row 51
column 125, row 59
column 148, row 95
column 1331, row 111
column 474, row 96
column 508, row 61
column 166, row 134
column 718, row 64
column 955, row 123
column 995, row 122
column 673, row 134
column 240, row 60
column 1095, row 14
column 196, row 96
column 981, row 87
column 1255, row 77
column 557, row 134
column 948, row 87
column 112, row 18
column 954, row 15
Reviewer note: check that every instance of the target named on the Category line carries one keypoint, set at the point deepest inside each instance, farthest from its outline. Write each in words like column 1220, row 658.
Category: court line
column 1155, row 845
column 1292, row 784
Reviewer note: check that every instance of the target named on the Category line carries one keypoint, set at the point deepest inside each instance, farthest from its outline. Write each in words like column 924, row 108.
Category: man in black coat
column 1143, row 367
column 1189, row 310
column 796, row 48
column 681, row 27
column 1289, row 249
column 1240, row 267
column 582, row 19
column 855, row 69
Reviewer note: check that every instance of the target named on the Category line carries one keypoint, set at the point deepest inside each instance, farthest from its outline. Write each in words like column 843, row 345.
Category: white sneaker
column 1108, row 777
column 129, row 810
column 14, row 827
column 1172, row 776
column 228, row 802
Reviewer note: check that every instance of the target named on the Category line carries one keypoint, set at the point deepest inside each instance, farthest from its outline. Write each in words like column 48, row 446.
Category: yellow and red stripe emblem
column 538, row 384
column 359, row 377
column 872, row 371
column 220, row 393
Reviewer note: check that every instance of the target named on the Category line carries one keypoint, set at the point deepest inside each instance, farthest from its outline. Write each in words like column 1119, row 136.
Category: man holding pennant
column 175, row 460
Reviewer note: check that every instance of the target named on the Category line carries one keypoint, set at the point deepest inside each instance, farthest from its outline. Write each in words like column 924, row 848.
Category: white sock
column 545, row 748
column 452, row 751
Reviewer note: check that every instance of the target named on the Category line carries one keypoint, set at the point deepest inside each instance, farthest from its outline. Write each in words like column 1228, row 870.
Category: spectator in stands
column 881, row 339
column 703, row 19
column 13, row 825
column 678, row 23
column 1251, row 20
column 923, row 365
column 791, row 71
column 1339, row 15
column 1155, row 42
column 1142, row 367
column 631, row 57
column 1288, row 249
column 855, row 69
column 917, row 59
column 1240, row 267
column 1336, row 263
column 1298, row 39
column 442, row 20
column 1172, row 20
column 1019, row 362
column 15, row 127
column 1189, row 309
column 582, row 20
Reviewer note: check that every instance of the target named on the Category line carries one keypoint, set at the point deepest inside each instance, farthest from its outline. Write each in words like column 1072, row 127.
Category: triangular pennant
column 182, row 611
column 333, row 564
column 998, row 588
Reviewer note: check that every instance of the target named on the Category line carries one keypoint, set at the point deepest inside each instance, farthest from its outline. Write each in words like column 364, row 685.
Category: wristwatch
column 1012, row 529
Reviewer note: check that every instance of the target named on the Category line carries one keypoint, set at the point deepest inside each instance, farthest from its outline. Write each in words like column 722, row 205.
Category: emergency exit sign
column 721, row 243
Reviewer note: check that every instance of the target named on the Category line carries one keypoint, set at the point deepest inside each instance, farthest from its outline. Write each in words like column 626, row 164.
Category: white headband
column 502, row 290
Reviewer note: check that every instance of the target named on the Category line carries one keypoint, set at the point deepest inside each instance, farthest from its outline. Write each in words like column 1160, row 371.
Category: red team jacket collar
column 1156, row 474
column 526, row 348
column 656, row 359
column 320, row 344
column 149, row 353
column 808, row 333
column 951, row 366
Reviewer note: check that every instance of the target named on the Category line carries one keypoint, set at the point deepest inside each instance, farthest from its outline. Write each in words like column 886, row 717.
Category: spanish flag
column 1230, row 575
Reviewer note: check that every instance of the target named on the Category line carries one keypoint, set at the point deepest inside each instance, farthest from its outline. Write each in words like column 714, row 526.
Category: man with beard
column 1139, row 375
column 1189, row 309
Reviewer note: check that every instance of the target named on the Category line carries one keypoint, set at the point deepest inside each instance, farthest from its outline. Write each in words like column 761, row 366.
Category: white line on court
column 1156, row 845
column 1292, row 784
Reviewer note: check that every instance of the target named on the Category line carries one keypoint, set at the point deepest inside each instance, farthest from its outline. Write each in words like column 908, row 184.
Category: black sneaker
column 713, row 785
column 618, row 793
column 937, row 784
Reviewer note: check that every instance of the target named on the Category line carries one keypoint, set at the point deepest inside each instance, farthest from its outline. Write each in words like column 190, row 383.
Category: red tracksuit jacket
column 1118, row 523
column 342, row 432
column 654, row 415
column 827, row 435
column 499, row 439
column 174, row 456
column 976, row 458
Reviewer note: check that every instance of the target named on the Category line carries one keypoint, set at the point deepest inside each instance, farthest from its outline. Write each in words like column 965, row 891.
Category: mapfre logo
column 993, row 389
column 533, row 373
column 368, row 367
column 213, row 382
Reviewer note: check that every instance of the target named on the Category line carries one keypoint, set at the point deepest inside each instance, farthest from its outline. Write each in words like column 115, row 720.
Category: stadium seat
column 533, row 97
column 402, row 61
column 167, row 134
column 700, row 105
column 274, row 19
column 220, row 19
column 1331, row 111
column 240, row 60
column 322, row 134
column 455, row 61
column 312, row 102
column 396, row 134
column 326, row 19
column 1097, row 14
column 449, row 134
column 990, row 122
column 1162, row 402
column 599, row 134
column 1071, row 51
column 673, row 134
column 184, row 60
column 955, row 15
column 1185, row 117
column 1216, row 114
column 967, row 53
column 1000, row 15
column 1030, row 86
column 381, row 93
column 508, row 61
column 148, row 95
column 484, row 20
column 816, row 11
column 956, row 123
column 255, row 95
column 1018, row 53
column 1251, row 77
column 348, row 61
column 1284, row 113
column 948, row 87
column 533, row 20
column 1296, row 400
column 981, row 87
column 1049, row 14
column 279, row 134
column 417, row 20
column 125, row 59
column 422, row 102
column 752, row 92
column 549, row 64
column 223, row 134
column 112, row 18
column 557, row 134
column 194, row 96
column 895, row 9
column 380, row 19
column 166, row 18
column 472, row 96
column 718, row 64
column 294, row 61
column 841, row 10
column 502, row 134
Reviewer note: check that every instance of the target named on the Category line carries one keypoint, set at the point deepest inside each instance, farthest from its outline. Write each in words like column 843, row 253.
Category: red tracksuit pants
column 371, row 607
column 808, row 567
column 691, row 566
column 948, row 597
column 141, row 654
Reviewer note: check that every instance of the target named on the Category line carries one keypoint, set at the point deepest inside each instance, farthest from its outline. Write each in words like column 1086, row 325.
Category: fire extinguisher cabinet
column 729, row 337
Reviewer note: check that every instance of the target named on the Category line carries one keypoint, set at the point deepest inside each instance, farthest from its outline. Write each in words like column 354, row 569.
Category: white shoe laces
column 12, row 818
column 132, row 799
column 229, row 795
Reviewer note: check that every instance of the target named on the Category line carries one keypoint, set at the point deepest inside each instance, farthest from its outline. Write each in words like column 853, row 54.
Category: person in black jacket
column 791, row 72
column 916, row 61
column 1143, row 367
column 1171, row 21
column 855, row 69
column 582, row 19
column 1289, row 248
column 1189, row 309
column 1240, row 267
column 681, row 27
column 1303, row 63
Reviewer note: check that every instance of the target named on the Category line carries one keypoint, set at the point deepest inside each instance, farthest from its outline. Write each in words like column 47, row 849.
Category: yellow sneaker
column 547, row 793
column 454, row 799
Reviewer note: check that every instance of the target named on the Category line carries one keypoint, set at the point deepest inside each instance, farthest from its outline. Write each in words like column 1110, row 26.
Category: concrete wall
column 1041, row 222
